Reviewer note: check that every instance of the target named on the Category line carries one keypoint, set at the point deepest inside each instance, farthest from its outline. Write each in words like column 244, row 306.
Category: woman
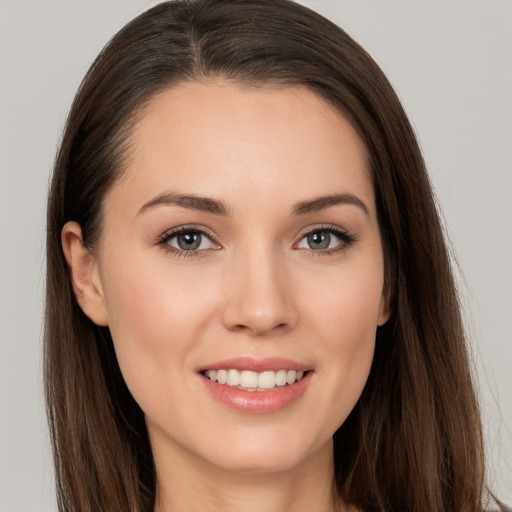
column 245, row 224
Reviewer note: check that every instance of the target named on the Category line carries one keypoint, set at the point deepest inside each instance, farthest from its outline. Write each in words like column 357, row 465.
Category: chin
column 260, row 453
column 259, row 463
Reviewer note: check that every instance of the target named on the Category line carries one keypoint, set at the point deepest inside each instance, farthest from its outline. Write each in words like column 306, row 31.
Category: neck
column 188, row 484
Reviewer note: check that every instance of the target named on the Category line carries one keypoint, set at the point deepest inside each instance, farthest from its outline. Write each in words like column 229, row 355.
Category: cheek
column 150, row 303
column 156, row 317
column 346, row 320
column 348, row 310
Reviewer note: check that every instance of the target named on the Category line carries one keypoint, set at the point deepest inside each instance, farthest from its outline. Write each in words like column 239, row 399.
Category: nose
column 259, row 297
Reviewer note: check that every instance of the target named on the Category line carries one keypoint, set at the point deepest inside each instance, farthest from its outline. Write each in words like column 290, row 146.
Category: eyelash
column 164, row 239
column 347, row 239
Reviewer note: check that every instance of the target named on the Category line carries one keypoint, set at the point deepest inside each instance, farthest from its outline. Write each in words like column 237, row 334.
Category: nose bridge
column 258, row 300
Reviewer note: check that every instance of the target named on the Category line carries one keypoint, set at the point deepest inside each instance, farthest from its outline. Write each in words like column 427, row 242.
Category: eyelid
column 323, row 227
column 346, row 237
column 185, row 228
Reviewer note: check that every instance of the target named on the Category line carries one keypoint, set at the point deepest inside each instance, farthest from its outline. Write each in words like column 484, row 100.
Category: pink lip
column 256, row 365
column 258, row 402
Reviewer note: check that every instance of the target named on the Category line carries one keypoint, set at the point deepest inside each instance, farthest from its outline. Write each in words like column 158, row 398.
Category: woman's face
column 242, row 242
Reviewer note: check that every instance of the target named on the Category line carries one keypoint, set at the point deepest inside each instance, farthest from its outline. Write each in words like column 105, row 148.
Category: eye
column 187, row 240
column 326, row 240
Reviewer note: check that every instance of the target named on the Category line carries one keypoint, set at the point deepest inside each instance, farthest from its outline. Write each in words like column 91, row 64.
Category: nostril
column 281, row 327
column 260, row 329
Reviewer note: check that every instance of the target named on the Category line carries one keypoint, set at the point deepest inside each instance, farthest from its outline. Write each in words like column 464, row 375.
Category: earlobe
column 85, row 275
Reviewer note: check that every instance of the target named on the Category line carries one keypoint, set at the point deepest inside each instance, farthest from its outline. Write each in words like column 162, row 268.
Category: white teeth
column 281, row 377
column 233, row 378
column 248, row 379
column 267, row 380
column 291, row 376
column 254, row 381
column 222, row 376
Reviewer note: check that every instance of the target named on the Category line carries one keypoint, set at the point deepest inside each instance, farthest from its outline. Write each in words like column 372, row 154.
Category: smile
column 254, row 381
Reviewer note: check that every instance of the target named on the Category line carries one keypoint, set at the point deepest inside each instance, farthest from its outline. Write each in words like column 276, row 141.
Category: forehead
column 221, row 137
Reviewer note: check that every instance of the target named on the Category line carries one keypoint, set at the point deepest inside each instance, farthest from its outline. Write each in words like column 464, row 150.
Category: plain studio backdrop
column 451, row 64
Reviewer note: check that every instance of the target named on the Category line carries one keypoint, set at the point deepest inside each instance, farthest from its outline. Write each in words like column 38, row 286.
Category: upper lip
column 256, row 365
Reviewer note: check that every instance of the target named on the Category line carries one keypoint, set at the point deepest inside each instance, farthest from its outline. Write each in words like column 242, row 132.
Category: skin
column 256, row 287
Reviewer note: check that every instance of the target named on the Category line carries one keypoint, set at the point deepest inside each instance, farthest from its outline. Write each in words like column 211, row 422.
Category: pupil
column 319, row 240
column 189, row 241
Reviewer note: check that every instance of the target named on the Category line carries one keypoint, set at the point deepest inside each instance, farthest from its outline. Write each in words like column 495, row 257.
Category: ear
column 85, row 275
column 384, row 309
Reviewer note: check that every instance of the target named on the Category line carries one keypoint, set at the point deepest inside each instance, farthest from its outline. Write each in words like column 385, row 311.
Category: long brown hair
column 413, row 442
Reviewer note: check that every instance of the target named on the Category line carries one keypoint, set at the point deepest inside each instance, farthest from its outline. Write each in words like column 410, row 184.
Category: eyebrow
column 216, row 207
column 191, row 201
column 320, row 203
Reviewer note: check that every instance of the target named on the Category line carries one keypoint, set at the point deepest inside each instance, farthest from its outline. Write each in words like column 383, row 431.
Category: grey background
column 451, row 63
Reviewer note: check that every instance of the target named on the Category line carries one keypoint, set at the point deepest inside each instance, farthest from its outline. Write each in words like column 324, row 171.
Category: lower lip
column 258, row 401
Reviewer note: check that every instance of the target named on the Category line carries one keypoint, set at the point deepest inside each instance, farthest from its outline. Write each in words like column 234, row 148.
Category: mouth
column 257, row 386
column 247, row 380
